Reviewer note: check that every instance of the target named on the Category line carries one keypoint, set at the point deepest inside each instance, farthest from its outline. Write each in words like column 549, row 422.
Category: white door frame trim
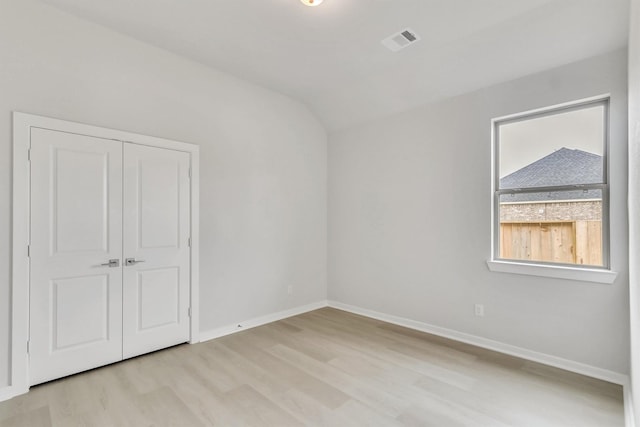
column 22, row 124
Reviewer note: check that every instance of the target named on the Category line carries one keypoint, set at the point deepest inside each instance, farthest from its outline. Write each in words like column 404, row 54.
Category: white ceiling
column 330, row 57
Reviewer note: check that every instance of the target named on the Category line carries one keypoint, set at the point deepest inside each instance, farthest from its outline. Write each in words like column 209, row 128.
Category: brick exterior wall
column 582, row 210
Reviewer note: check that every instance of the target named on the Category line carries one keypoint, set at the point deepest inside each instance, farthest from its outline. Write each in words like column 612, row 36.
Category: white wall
column 634, row 202
column 263, row 156
column 409, row 222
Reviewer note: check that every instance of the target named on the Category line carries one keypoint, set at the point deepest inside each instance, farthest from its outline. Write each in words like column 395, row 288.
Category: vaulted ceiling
column 330, row 57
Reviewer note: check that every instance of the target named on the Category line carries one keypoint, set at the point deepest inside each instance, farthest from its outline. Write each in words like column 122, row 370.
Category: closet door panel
column 76, row 228
column 156, row 243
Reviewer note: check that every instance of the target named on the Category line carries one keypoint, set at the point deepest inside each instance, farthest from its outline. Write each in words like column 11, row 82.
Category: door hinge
column 189, row 173
column 28, row 347
column 189, row 311
column 189, row 242
column 28, row 251
column 29, row 155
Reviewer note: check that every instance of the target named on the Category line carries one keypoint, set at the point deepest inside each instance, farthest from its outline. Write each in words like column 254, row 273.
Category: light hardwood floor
column 323, row 368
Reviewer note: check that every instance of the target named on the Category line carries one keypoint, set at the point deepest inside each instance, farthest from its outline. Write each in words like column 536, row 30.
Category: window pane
column 560, row 227
column 564, row 148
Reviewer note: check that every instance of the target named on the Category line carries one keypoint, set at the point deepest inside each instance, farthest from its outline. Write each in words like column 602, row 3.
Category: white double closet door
column 109, row 252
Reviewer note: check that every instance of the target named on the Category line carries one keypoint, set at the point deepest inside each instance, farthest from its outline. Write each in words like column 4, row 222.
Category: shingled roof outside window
column 562, row 167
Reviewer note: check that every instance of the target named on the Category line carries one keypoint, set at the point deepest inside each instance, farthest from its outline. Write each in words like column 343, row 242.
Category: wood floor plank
column 164, row 407
column 381, row 399
column 364, row 415
column 35, row 417
column 417, row 416
column 257, row 410
column 322, row 368
column 315, row 388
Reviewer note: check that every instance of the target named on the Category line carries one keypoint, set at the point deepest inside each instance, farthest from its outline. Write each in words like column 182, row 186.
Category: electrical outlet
column 289, row 289
column 479, row 310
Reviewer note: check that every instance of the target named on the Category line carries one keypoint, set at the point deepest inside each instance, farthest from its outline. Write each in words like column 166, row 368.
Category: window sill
column 554, row 271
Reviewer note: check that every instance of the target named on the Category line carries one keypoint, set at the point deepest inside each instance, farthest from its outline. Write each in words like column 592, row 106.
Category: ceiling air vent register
column 400, row 40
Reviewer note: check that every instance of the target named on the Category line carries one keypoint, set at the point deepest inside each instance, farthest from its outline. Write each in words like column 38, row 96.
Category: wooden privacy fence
column 570, row 242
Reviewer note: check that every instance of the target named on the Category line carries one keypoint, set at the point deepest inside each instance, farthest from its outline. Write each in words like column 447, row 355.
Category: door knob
column 112, row 263
column 132, row 261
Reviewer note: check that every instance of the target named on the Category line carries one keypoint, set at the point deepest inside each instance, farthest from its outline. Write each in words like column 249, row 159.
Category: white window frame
column 548, row 269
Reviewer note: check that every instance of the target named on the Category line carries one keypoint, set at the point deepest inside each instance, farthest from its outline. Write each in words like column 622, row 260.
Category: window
column 550, row 187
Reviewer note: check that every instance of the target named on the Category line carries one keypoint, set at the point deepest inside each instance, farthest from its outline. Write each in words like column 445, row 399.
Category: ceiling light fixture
column 311, row 2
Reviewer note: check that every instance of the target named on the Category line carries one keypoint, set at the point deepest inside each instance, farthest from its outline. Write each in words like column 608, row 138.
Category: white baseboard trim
column 7, row 392
column 629, row 420
column 259, row 321
column 534, row 356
